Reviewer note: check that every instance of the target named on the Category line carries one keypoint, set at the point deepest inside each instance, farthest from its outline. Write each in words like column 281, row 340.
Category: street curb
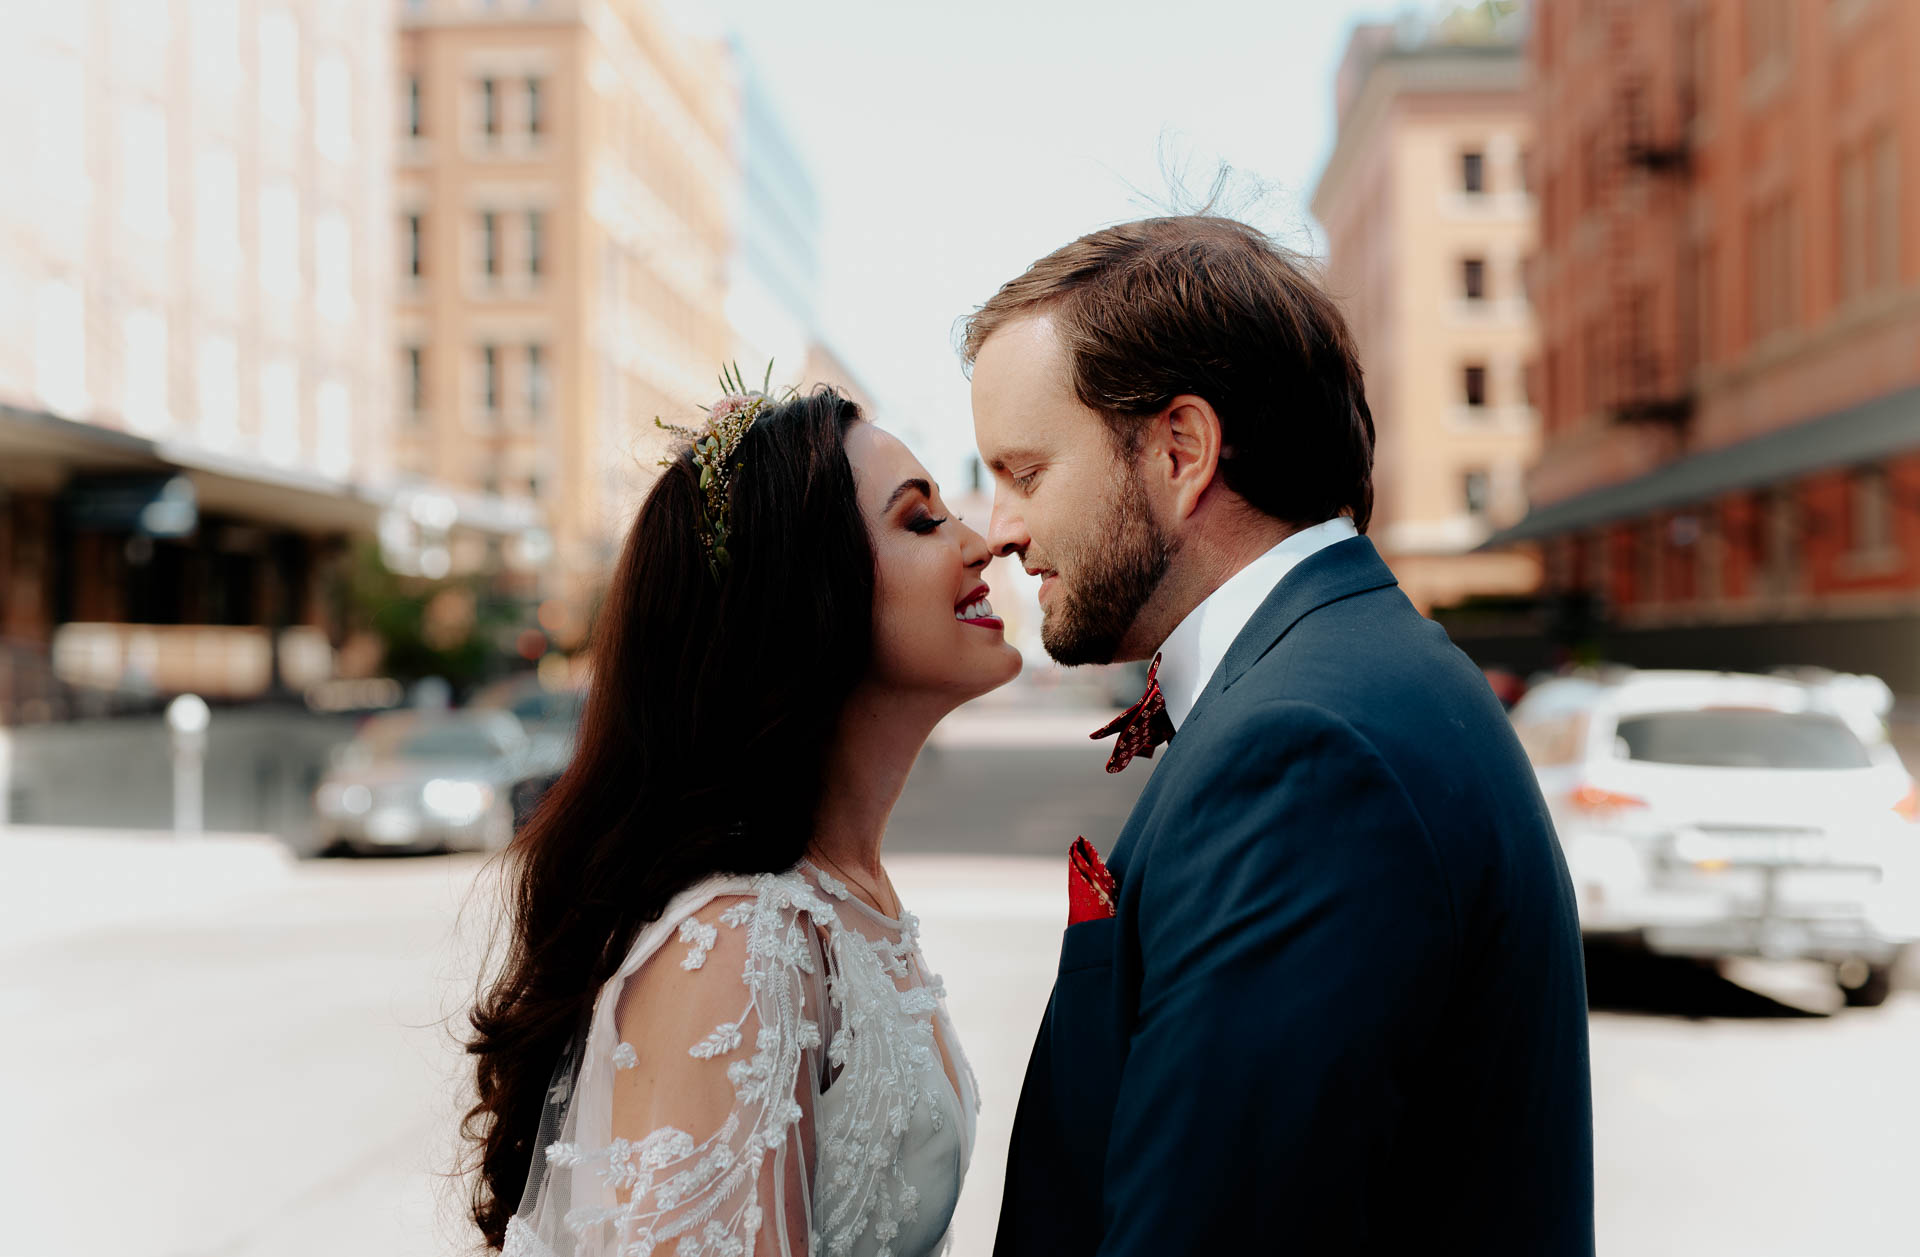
column 57, row 883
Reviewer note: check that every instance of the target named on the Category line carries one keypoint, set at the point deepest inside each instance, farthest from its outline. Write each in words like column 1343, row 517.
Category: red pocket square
column 1090, row 887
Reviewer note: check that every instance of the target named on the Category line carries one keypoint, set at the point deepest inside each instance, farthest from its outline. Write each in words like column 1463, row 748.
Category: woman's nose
column 973, row 548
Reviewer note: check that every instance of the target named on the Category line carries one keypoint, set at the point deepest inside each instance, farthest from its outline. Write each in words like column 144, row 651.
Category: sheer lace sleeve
column 714, row 1077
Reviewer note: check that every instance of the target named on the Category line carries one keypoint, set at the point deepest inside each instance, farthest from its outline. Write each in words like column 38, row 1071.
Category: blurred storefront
column 1728, row 287
column 1428, row 214
column 137, row 567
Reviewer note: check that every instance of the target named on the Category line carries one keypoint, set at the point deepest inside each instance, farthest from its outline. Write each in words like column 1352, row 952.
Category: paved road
column 274, row 1077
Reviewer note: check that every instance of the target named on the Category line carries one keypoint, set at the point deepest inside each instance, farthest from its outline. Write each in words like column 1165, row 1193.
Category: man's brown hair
column 1196, row 304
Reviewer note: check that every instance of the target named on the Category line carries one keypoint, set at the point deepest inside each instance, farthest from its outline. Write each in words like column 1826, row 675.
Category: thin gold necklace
column 872, row 896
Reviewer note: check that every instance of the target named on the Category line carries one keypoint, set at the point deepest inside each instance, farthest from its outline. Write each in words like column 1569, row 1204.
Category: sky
column 951, row 145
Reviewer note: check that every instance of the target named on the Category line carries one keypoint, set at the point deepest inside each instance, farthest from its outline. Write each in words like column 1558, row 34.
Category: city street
column 275, row 1075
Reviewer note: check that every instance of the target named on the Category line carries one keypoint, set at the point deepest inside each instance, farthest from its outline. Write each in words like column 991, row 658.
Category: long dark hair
column 701, row 750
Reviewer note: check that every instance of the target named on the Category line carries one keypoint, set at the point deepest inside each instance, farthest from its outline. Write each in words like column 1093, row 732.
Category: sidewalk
column 1027, row 728
column 57, row 882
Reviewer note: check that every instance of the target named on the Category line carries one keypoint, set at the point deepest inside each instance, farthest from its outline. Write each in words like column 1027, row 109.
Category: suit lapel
column 1340, row 571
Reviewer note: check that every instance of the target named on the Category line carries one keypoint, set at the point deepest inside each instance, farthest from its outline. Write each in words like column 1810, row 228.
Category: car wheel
column 1872, row 990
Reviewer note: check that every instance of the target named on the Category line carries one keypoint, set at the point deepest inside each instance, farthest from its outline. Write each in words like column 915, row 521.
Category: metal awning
column 1859, row 434
column 290, row 496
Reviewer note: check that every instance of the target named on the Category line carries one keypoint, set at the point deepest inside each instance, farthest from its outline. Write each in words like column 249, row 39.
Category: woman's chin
column 986, row 671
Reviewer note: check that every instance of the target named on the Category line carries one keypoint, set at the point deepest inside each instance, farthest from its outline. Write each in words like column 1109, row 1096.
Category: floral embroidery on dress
column 671, row 1193
column 700, row 938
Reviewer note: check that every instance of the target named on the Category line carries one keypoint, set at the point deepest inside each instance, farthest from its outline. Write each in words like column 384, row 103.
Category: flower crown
column 713, row 448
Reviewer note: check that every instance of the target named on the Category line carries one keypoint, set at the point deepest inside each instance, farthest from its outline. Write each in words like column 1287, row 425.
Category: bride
column 714, row 1033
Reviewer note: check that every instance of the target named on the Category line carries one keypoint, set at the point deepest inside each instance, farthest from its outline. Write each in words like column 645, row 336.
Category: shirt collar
column 1196, row 646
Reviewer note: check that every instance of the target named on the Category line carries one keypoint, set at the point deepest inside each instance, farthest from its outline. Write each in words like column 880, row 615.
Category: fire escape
column 1643, row 185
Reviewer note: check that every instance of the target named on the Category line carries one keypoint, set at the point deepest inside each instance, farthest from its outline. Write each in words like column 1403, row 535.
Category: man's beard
column 1114, row 570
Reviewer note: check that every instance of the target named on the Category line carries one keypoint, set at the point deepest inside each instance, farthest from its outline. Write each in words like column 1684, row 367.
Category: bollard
column 187, row 718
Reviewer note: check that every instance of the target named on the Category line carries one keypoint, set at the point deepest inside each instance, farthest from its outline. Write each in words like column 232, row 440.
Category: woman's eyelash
column 926, row 524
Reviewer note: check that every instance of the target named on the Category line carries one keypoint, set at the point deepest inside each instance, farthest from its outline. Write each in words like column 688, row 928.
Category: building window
column 416, row 381
column 536, row 380
column 1871, row 499
column 143, row 172
column 1554, row 402
column 536, row 242
column 490, row 380
column 1593, row 365
column 279, row 235
column 333, row 108
column 278, row 72
column 490, row 244
column 1780, row 519
column 1772, row 268
column 1475, row 488
column 333, row 265
column 1473, row 278
column 1593, row 170
column 1883, row 264
column 416, row 123
column 1473, row 379
column 490, row 109
column 1850, row 234
column 1473, row 171
column 416, row 257
column 536, row 119
column 1768, row 33
column 143, row 371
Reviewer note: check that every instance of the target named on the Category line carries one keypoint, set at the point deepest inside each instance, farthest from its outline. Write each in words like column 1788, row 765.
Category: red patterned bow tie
column 1141, row 727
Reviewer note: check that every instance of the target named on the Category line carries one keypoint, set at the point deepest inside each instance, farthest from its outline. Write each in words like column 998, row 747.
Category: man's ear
column 1189, row 438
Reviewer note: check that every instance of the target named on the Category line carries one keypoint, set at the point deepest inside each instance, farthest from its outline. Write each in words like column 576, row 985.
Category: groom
column 1339, row 1006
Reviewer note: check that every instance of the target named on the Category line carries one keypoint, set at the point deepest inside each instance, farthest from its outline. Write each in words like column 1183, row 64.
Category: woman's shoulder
column 717, row 916
column 740, row 897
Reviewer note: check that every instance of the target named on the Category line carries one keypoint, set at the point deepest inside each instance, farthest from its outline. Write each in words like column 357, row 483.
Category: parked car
column 1719, row 814
column 422, row 781
column 551, row 718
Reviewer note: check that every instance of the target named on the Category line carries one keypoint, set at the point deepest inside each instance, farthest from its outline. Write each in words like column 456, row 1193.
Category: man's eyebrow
column 907, row 486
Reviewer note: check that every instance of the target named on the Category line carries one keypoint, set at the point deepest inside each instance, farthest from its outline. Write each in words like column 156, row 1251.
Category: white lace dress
column 803, row 1087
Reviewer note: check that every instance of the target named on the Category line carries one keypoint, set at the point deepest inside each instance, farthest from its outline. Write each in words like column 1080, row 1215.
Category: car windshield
column 452, row 739
column 1730, row 738
column 562, row 707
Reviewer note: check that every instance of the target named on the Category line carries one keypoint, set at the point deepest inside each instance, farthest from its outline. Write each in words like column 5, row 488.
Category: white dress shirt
column 1194, row 650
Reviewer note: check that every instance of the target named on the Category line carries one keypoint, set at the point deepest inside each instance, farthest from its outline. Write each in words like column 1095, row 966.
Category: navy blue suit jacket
column 1341, row 1007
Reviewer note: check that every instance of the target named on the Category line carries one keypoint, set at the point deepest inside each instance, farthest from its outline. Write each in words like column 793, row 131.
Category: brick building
column 1730, row 334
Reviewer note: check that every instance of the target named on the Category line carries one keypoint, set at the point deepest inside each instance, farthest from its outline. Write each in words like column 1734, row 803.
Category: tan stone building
column 561, row 218
column 194, row 373
column 1428, row 217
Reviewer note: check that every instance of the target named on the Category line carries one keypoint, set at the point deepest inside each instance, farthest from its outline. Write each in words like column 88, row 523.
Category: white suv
column 1720, row 814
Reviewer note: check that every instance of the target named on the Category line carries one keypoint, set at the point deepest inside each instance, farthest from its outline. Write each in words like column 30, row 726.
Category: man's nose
column 1006, row 530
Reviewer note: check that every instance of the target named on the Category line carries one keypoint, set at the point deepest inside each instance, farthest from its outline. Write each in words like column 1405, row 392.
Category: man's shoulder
column 1370, row 676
